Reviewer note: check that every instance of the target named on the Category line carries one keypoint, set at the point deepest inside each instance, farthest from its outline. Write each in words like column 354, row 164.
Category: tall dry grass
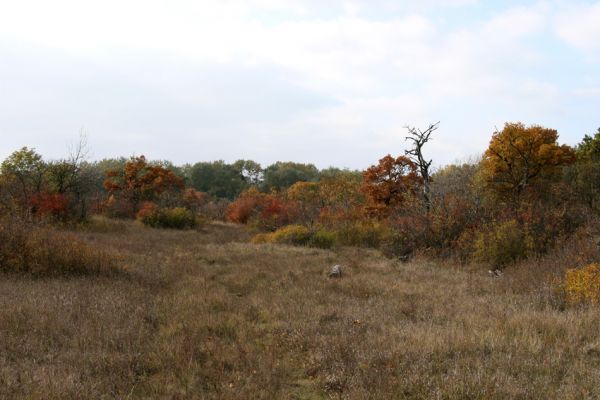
column 208, row 315
column 43, row 251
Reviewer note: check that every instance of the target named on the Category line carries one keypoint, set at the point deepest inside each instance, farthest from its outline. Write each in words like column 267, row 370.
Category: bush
column 262, row 238
column 292, row 234
column 502, row 244
column 42, row 252
column 172, row 218
column 582, row 285
column 297, row 235
column 363, row 234
column 323, row 239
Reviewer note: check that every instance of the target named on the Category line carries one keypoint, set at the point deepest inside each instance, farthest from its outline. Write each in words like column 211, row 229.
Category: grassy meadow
column 204, row 314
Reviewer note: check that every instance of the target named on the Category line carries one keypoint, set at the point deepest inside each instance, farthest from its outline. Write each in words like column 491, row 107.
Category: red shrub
column 50, row 205
column 245, row 206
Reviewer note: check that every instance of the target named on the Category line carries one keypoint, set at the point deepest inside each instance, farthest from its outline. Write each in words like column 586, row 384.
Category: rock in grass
column 335, row 271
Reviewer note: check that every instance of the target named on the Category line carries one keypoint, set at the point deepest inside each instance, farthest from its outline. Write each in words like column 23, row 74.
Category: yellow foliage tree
column 520, row 156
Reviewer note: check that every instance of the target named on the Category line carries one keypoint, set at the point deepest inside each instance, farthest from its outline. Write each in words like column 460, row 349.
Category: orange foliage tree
column 140, row 181
column 387, row 184
column 520, row 156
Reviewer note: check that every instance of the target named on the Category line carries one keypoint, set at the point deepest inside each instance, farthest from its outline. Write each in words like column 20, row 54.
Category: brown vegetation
column 205, row 314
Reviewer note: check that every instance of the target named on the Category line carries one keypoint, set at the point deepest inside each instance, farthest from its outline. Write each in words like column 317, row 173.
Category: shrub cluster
column 298, row 235
column 173, row 218
column 365, row 233
column 501, row 244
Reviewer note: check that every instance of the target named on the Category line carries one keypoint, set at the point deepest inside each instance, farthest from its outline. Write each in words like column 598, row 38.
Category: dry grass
column 208, row 315
column 40, row 251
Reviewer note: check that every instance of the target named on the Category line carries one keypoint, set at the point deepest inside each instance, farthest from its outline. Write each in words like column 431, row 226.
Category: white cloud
column 580, row 26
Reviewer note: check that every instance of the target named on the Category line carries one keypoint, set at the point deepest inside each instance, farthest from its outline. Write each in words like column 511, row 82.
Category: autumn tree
column 343, row 199
column 387, row 184
column 141, row 181
column 73, row 179
column 415, row 153
column 23, row 176
column 307, row 196
column 520, row 156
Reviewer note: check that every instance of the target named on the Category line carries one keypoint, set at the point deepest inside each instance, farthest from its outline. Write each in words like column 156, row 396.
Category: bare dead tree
column 418, row 139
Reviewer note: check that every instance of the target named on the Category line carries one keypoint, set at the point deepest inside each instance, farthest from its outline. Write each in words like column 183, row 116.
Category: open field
column 205, row 314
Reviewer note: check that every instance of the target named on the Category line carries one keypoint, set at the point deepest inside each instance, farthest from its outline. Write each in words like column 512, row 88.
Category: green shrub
column 502, row 244
column 172, row 218
column 43, row 252
column 323, row 239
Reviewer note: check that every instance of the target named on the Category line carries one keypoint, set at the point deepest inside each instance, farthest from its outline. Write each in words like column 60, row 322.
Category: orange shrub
column 266, row 211
column 245, row 206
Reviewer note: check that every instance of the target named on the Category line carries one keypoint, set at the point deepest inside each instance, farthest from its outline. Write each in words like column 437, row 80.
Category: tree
column 281, row 175
column 140, row 181
column 584, row 176
column 343, row 199
column 307, row 196
column 589, row 148
column 518, row 157
column 419, row 138
column 387, row 184
column 217, row 178
column 250, row 171
column 72, row 179
column 23, row 177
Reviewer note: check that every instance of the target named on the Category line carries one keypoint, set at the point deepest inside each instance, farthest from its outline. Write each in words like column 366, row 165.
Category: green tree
column 251, row 171
column 282, row 175
column 584, row 176
column 589, row 148
column 218, row 179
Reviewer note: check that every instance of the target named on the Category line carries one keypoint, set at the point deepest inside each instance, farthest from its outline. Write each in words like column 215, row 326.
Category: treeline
column 525, row 194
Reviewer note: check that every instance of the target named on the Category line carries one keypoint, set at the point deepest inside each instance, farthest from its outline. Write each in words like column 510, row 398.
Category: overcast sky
column 331, row 82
